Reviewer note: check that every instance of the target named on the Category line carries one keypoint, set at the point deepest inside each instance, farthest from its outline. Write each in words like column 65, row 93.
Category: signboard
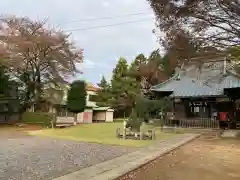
column 222, row 99
column 213, row 65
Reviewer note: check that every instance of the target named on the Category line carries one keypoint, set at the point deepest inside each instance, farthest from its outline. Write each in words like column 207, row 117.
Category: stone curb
column 111, row 170
column 131, row 166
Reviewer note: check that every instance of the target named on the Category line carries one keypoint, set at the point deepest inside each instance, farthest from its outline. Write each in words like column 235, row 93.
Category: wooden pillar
column 173, row 111
column 173, row 105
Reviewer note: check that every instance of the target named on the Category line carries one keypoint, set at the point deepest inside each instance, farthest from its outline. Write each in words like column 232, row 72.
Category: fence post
column 124, row 129
column 141, row 131
column 54, row 120
column 118, row 132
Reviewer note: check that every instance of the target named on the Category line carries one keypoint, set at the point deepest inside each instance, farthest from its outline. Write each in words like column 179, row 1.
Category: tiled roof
column 191, row 87
column 91, row 87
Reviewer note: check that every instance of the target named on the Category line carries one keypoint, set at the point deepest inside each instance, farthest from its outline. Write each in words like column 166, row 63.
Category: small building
column 102, row 114
column 202, row 94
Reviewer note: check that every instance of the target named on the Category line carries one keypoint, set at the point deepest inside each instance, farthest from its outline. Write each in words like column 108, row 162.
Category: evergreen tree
column 4, row 80
column 140, row 59
column 104, row 94
column 76, row 100
column 118, row 83
column 119, row 77
column 124, row 88
column 235, row 56
column 103, row 83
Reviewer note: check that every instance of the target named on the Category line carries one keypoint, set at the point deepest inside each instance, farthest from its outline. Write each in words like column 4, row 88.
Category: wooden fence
column 192, row 123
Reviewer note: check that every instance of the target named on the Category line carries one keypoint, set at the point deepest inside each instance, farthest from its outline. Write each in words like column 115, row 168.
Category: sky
column 102, row 46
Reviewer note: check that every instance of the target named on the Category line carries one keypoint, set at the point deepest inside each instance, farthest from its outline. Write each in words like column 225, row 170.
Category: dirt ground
column 13, row 131
column 199, row 160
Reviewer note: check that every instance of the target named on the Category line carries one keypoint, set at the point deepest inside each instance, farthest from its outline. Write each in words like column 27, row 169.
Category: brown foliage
column 192, row 24
column 152, row 71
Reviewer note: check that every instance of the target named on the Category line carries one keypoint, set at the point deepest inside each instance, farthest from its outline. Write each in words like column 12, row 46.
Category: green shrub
column 41, row 118
column 134, row 121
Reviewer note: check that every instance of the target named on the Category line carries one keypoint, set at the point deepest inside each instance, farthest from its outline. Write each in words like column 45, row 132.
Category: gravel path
column 38, row 158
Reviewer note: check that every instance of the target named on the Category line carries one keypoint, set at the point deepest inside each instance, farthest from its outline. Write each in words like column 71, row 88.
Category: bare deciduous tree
column 36, row 54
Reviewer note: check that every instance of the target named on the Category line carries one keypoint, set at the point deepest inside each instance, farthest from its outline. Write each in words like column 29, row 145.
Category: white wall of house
column 88, row 102
column 80, row 117
column 109, row 116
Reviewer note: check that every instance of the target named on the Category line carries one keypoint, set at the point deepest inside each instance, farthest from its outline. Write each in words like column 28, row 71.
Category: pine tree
column 118, row 82
column 104, row 94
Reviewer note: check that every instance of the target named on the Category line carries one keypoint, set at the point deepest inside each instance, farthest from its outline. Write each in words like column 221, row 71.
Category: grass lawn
column 104, row 133
column 120, row 119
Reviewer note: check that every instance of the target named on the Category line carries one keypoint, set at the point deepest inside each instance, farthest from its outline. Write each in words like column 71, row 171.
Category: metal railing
column 192, row 123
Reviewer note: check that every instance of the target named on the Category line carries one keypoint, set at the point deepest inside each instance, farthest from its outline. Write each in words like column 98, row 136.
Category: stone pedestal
column 142, row 131
column 141, row 135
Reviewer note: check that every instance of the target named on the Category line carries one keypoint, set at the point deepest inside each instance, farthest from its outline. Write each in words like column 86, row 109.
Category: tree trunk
column 38, row 92
column 75, row 119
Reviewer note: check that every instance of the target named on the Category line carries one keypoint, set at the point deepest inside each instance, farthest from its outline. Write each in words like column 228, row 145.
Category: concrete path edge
column 131, row 166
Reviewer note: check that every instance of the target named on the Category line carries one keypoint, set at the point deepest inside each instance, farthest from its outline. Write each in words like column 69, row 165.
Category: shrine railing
column 192, row 123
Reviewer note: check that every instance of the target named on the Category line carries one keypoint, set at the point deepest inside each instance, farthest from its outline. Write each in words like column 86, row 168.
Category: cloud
column 102, row 46
column 88, row 64
column 106, row 4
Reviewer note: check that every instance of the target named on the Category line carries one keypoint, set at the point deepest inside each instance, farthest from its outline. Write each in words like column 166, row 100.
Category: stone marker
column 154, row 134
column 124, row 129
column 142, row 131
column 118, row 132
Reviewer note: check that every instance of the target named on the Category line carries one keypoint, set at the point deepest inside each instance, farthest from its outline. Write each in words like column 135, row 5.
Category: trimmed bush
column 41, row 118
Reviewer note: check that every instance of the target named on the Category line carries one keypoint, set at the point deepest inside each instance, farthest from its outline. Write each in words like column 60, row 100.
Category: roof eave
column 153, row 88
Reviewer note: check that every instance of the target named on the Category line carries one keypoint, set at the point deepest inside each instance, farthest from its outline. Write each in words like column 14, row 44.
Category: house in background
column 92, row 113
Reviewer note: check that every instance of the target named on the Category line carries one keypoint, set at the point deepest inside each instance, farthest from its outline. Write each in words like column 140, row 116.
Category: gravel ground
column 38, row 158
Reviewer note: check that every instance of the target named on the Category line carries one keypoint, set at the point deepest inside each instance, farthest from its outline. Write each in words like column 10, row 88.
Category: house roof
column 102, row 109
column 186, row 86
column 209, row 58
column 91, row 87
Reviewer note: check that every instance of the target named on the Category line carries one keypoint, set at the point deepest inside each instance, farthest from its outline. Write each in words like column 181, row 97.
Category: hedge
column 41, row 118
